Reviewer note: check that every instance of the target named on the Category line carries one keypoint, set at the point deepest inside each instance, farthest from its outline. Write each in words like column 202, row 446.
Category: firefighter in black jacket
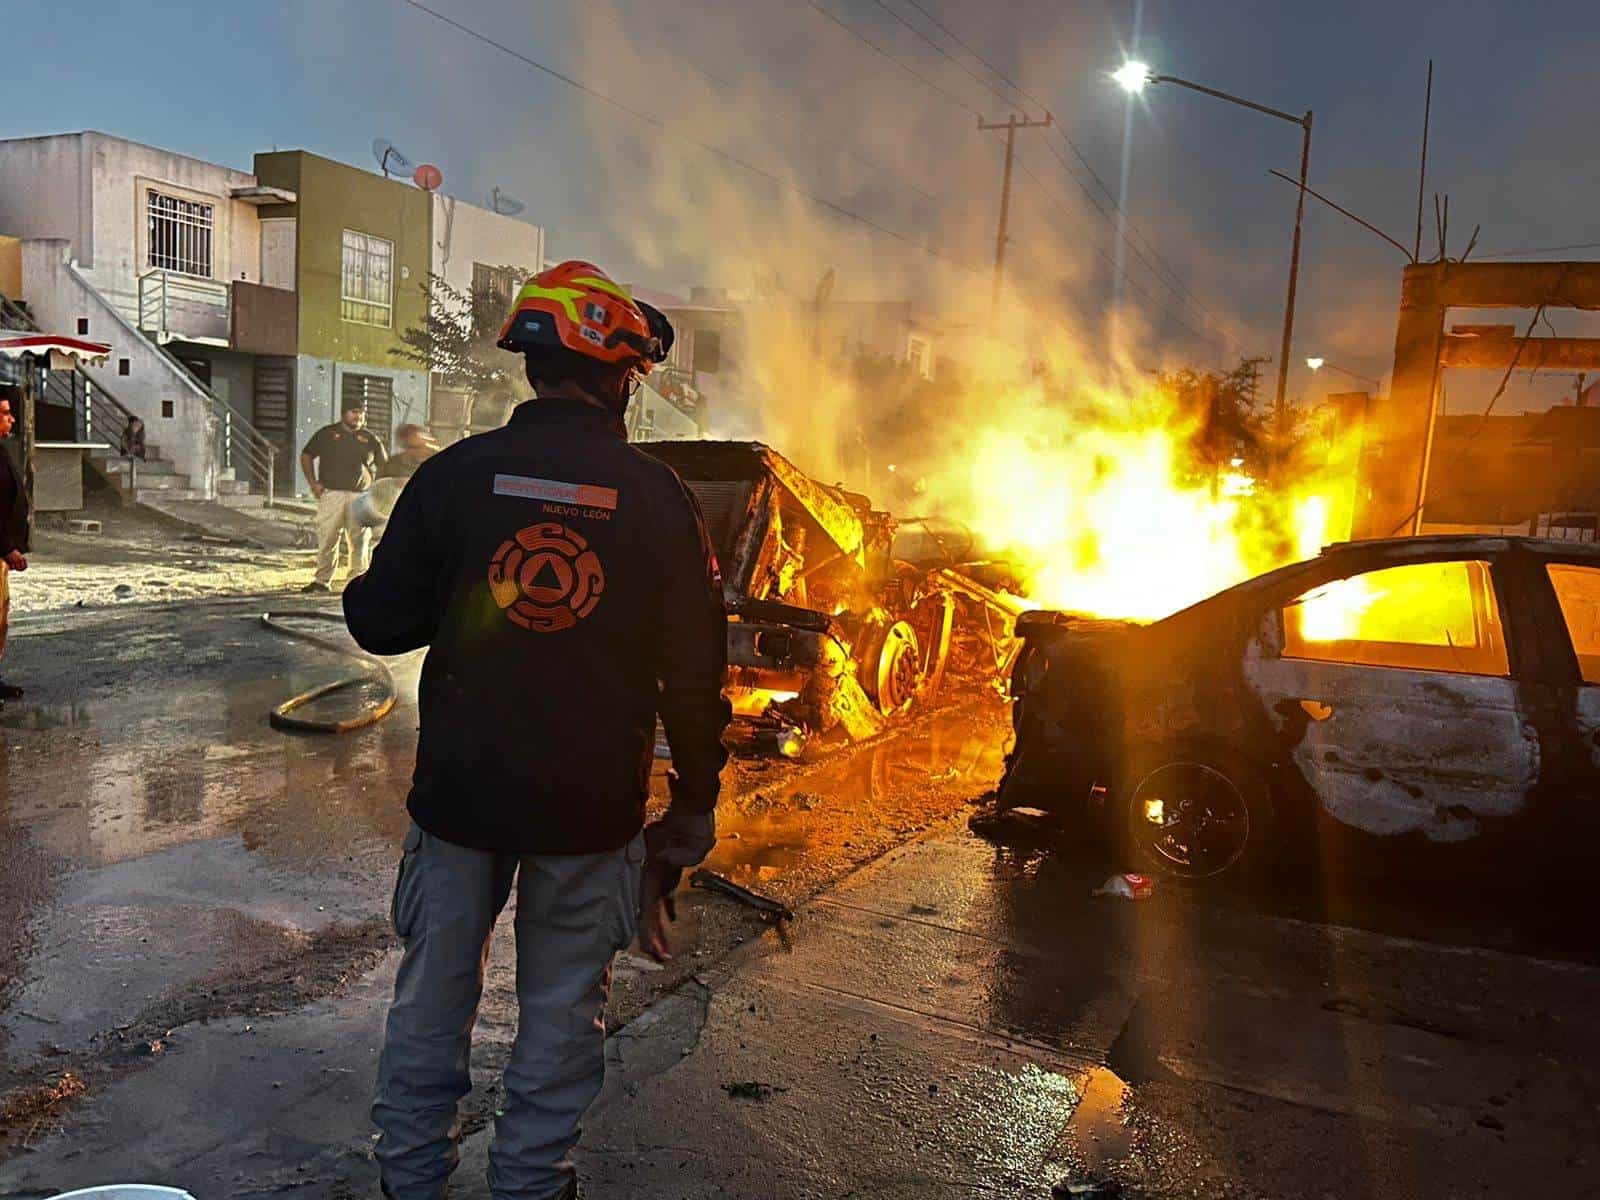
column 567, row 592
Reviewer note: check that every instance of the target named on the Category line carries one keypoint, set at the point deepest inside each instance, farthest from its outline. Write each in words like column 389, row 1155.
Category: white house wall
column 464, row 234
column 60, row 296
column 42, row 193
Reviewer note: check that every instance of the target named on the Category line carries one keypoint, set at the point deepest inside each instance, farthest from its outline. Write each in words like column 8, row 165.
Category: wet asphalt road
column 195, row 961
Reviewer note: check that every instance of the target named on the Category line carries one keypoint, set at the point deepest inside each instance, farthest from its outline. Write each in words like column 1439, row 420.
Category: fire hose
column 375, row 672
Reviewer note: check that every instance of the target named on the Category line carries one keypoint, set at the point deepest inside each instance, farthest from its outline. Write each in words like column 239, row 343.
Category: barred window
column 493, row 289
column 179, row 235
column 368, row 289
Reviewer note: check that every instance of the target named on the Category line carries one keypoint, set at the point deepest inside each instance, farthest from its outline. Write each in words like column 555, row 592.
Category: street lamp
column 1133, row 77
column 1316, row 364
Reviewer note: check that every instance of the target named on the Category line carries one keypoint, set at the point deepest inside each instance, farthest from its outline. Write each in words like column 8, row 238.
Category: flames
column 1110, row 511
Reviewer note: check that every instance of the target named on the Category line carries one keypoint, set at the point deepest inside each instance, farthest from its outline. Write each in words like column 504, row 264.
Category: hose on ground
column 375, row 671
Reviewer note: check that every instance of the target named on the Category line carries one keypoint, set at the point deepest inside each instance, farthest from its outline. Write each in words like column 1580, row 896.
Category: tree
column 1224, row 411
column 456, row 341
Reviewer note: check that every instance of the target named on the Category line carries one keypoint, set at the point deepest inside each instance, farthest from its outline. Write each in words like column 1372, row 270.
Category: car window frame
column 1559, row 657
column 1501, row 578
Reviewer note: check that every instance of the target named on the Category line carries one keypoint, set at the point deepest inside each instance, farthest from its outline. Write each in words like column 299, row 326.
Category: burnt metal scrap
column 830, row 629
column 1209, row 743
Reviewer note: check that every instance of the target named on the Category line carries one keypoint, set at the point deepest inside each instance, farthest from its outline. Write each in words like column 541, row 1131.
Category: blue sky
column 1514, row 106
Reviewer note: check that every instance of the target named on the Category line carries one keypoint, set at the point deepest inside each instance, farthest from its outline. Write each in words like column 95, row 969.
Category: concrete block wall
column 60, row 296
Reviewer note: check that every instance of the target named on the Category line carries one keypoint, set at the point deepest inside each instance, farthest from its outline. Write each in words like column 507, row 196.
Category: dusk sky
column 778, row 84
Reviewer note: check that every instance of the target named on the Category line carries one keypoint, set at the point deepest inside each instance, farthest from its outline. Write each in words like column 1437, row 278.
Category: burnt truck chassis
column 828, row 630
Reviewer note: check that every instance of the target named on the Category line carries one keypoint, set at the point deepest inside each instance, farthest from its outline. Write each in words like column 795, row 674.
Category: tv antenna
column 390, row 159
column 506, row 206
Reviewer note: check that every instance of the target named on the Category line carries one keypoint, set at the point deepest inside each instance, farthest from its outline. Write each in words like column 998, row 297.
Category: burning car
column 1405, row 691
column 831, row 628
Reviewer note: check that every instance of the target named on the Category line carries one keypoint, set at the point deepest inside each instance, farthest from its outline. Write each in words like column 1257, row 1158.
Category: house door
column 377, row 392
column 277, row 252
column 272, row 413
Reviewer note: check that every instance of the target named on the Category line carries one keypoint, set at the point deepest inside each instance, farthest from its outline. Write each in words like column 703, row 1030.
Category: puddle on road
column 866, row 792
column 45, row 716
column 1099, row 1122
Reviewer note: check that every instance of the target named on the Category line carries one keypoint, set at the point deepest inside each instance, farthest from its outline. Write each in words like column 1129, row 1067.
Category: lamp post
column 1316, row 364
column 1133, row 77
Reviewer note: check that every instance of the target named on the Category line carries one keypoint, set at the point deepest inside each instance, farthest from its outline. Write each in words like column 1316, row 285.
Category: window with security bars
column 493, row 289
column 367, row 294
column 179, row 234
column 376, row 394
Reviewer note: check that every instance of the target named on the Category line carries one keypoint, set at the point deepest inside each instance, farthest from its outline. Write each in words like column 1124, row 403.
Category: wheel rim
column 899, row 670
column 1190, row 820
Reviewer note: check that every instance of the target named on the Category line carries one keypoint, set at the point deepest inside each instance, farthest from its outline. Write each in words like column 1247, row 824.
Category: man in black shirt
column 13, row 537
column 340, row 462
column 567, row 592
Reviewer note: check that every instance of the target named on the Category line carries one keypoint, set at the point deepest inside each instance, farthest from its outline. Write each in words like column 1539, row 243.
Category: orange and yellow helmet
column 575, row 306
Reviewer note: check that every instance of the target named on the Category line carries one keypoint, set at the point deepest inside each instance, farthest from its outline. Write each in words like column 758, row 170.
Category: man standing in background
column 340, row 461
column 13, row 537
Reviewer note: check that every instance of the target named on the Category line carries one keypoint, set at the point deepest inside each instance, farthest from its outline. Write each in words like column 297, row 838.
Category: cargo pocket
column 407, row 899
column 630, row 890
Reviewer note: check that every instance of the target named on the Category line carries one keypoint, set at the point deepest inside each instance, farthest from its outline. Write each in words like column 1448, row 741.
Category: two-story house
column 158, row 254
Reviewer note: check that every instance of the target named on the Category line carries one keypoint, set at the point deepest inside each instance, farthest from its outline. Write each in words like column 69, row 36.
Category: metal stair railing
column 99, row 415
column 239, row 442
column 241, row 446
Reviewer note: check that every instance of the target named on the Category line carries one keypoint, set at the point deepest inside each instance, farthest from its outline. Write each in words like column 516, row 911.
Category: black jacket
column 567, row 591
column 13, row 507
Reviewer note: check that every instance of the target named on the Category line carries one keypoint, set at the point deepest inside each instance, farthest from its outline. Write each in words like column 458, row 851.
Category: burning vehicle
column 835, row 623
column 1399, row 692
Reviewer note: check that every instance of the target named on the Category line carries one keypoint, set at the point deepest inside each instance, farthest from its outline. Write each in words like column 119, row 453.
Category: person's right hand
column 16, row 561
column 317, row 489
column 655, row 912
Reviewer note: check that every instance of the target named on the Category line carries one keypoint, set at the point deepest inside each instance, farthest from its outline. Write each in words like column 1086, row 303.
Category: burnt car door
column 1392, row 692
column 1575, row 583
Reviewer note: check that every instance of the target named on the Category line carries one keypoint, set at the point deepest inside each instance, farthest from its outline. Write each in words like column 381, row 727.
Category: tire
column 1198, row 817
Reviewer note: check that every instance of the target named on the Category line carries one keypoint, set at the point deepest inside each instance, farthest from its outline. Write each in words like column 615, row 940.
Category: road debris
column 1129, row 886
column 770, row 909
column 751, row 1090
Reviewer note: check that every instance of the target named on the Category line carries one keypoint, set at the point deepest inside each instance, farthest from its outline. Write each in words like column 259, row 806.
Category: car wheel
column 1196, row 817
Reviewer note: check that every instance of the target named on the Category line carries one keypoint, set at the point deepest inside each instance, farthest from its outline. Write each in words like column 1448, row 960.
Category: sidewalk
column 956, row 1021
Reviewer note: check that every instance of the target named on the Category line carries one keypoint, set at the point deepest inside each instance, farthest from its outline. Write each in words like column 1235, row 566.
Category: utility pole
column 1011, row 125
column 1280, row 406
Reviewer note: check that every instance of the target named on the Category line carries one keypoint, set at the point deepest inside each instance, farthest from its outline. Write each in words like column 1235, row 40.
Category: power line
column 1542, row 250
column 868, row 42
column 1039, row 183
column 1050, row 195
column 656, row 122
column 940, row 49
column 1071, row 145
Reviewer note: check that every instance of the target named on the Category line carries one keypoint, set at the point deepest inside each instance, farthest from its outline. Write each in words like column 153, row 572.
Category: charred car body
column 1402, row 692
column 829, row 629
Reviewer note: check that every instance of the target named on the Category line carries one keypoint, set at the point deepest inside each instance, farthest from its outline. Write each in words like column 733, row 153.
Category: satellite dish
column 427, row 177
column 390, row 158
column 506, row 206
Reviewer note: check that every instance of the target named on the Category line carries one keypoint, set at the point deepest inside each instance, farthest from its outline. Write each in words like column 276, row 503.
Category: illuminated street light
column 1316, row 364
column 1131, row 77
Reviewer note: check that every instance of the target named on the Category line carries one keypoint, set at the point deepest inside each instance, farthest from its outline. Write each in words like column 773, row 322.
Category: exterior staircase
column 146, row 479
column 102, row 419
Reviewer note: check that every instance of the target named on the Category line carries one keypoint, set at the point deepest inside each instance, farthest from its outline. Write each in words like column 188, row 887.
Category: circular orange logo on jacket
column 546, row 578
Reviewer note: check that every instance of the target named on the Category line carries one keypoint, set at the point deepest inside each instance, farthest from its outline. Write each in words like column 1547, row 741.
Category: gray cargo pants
column 574, row 912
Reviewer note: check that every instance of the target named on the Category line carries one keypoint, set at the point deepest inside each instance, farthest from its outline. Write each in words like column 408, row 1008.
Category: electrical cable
column 1182, row 289
column 376, row 672
column 657, row 123
column 1039, row 183
column 1111, row 262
